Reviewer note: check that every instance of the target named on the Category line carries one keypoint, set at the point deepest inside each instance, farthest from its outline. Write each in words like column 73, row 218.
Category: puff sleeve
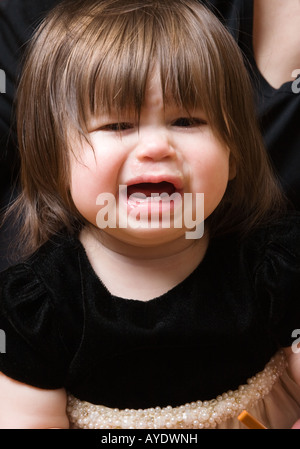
column 278, row 279
column 34, row 351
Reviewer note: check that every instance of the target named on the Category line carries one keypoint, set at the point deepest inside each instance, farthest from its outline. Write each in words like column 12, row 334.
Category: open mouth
column 152, row 202
column 151, row 190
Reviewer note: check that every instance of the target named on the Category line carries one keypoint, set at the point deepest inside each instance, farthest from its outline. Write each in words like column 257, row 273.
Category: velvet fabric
column 207, row 335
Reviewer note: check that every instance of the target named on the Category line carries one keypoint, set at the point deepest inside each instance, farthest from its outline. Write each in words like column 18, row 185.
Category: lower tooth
column 138, row 197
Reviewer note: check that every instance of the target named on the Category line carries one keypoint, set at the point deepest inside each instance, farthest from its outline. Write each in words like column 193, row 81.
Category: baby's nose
column 155, row 147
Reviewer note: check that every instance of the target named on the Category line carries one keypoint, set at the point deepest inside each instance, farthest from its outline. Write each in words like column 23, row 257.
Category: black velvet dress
column 209, row 334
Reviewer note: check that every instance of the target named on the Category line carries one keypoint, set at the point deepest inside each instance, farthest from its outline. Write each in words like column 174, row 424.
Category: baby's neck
column 141, row 273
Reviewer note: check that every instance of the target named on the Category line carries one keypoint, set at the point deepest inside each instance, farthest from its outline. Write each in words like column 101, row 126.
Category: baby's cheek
column 85, row 200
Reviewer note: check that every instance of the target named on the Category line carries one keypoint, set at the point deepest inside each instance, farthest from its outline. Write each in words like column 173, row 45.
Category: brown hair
column 90, row 55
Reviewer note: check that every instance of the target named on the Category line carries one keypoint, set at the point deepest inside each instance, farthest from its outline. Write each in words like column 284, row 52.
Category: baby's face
column 170, row 154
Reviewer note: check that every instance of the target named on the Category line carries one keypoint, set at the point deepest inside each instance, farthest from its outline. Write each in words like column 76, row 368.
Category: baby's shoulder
column 40, row 301
column 46, row 275
column 272, row 255
column 279, row 239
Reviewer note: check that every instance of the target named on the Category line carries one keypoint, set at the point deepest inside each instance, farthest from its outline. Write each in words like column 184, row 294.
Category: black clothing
column 207, row 335
column 278, row 109
column 18, row 20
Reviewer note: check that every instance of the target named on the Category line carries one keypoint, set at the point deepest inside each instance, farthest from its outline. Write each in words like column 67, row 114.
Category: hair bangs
column 120, row 53
column 117, row 68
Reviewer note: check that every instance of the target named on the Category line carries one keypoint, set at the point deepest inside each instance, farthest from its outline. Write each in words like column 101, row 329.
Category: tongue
column 149, row 188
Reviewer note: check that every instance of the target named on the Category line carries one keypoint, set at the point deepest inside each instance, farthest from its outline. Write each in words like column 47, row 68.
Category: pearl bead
column 196, row 415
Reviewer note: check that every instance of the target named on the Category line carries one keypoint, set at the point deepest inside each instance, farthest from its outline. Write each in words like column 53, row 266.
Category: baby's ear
column 232, row 167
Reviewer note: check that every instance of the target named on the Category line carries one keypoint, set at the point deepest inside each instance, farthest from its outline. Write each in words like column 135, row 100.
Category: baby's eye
column 186, row 122
column 119, row 126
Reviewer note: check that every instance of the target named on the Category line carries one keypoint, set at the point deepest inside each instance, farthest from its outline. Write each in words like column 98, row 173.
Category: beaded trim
column 195, row 415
